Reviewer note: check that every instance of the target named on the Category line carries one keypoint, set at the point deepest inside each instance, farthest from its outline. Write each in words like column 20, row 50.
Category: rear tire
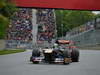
column 75, row 55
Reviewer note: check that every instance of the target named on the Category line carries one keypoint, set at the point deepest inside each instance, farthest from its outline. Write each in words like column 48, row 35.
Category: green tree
column 6, row 11
column 3, row 25
column 71, row 19
column 97, row 16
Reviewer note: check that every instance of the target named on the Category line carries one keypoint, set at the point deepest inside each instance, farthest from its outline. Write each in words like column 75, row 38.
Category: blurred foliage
column 3, row 25
column 71, row 19
column 6, row 11
column 97, row 16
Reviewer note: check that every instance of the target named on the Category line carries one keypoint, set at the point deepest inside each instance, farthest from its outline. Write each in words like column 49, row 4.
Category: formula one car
column 61, row 52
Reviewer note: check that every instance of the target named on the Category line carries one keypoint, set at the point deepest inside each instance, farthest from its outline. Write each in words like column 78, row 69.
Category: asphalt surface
column 18, row 64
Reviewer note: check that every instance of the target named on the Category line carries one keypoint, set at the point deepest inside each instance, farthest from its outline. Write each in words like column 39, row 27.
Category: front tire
column 66, row 56
column 36, row 53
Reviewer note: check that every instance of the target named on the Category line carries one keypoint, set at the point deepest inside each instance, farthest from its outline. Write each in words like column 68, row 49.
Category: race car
column 61, row 52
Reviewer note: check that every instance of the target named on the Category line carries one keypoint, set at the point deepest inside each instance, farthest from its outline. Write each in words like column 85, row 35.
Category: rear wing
column 62, row 41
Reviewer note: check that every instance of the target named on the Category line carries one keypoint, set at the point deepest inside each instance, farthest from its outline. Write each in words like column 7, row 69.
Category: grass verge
column 3, row 52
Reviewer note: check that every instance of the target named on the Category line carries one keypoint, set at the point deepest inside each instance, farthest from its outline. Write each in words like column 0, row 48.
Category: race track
column 18, row 64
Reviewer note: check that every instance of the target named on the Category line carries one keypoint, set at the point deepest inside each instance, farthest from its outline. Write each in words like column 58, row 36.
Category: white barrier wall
column 2, row 44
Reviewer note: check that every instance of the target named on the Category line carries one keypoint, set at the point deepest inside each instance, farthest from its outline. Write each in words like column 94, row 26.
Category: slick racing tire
column 36, row 53
column 75, row 55
column 66, row 56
